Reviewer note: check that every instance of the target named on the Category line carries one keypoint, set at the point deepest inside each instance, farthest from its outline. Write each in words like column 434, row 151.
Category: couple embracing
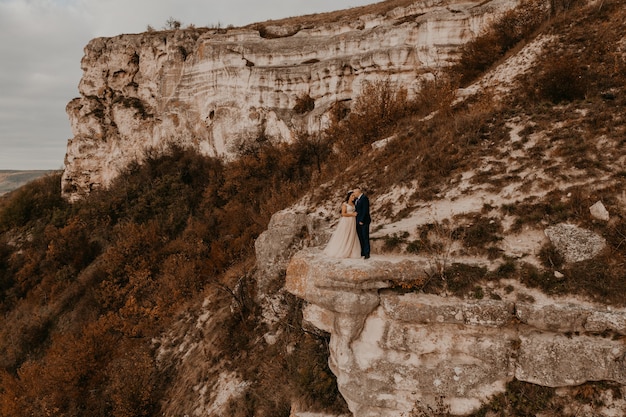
column 351, row 238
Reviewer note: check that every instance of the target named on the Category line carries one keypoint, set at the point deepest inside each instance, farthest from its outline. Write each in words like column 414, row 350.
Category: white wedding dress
column 344, row 242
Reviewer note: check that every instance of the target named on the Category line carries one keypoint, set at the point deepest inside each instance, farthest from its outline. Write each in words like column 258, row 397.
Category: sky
column 42, row 45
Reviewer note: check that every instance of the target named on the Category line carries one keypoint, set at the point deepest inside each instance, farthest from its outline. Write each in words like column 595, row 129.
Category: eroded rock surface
column 391, row 348
column 212, row 90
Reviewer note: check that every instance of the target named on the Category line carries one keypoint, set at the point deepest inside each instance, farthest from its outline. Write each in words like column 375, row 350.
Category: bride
column 344, row 242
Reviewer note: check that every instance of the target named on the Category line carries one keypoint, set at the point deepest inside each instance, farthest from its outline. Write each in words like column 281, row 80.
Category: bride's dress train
column 344, row 242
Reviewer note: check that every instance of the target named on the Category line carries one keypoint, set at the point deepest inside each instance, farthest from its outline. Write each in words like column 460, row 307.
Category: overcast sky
column 41, row 45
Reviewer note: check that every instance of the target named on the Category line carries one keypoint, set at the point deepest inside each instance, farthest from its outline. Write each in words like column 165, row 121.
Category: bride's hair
column 346, row 200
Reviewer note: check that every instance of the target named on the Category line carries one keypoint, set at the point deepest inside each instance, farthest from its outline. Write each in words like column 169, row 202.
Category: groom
column 363, row 220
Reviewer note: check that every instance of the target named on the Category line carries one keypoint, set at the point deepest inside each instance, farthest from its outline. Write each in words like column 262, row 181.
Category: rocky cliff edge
column 394, row 346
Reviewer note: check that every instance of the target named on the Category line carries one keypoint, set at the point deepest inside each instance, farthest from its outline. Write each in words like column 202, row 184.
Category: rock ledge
column 390, row 348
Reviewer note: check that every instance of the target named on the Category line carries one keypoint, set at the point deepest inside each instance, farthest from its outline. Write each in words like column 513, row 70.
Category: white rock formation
column 391, row 349
column 213, row 89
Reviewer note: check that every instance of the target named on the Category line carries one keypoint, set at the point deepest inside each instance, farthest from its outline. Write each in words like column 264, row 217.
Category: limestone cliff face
column 213, row 89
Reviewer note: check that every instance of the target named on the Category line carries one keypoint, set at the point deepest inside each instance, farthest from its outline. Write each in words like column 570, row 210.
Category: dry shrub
column 586, row 60
column 304, row 104
column 431, row 149
column 479, row 121
column 440, row 409
column 311, row 377
column 461, row 279
column 22, row 334
column 6, row 275
column 38, row 200
column 521, row 399
column 477, row 56
column 11, row 395
column 479, row 232
column 559, row 6
column 70, row 245
column 372, row 116
column 394, row 241
column 513, row 26
column 294, row 368
column 601, row 278
column 61, row 382
column 550, row 257
column 133, row 381
column 432, row 153
column 531, row 212
column 121, row 262
column 593, row 393
column 436, row 94
column 562, row 78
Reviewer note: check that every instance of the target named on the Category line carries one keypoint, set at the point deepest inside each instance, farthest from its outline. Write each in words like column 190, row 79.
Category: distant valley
column 10, row 180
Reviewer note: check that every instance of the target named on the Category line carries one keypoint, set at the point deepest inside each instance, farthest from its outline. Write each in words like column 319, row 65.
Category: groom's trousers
column 363, row 231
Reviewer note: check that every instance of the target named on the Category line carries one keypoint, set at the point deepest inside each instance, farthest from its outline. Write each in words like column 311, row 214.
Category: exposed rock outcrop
column 393, row 346
column 575, row 244
column 214, row 89
column 391, row 349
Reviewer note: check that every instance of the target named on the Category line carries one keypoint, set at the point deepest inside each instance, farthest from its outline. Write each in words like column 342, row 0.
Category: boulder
column 598, row 211
column 574, row 243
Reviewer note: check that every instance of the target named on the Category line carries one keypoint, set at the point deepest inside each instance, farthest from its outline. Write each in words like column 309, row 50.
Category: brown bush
column 132, row 383
column 477, row 56
column 304, row 104
column 561, row 79
column 6, row 274
column 12, row 399
column 481, row 231
column 521, row 399
column 111, row 271
column 584, row 62
column 60, row 383
column 310, row 375
column 559, row 6
column 70, row 245
column 437, row 94
column 372, row 116
column 514, row 26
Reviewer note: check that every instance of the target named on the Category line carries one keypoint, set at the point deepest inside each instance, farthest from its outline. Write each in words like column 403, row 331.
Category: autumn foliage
column 85, row 288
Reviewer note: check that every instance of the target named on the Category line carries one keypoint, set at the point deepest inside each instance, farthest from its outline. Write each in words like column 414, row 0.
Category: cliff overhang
column 392, row 348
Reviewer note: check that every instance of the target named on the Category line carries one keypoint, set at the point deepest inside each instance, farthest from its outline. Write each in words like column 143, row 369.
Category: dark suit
column 363, row 220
